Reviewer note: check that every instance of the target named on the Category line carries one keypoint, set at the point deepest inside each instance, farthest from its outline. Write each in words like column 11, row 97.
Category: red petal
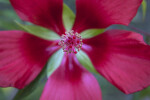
column 22, row 57
column 102, row 13
column 47, row 13
column 71, row 82
column 124, row 59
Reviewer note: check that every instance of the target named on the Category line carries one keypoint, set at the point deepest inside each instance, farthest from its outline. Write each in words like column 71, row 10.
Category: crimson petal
column 47, row 13
column 102, row 13
column 22, row 57
column 122, row 58
column 71, row 82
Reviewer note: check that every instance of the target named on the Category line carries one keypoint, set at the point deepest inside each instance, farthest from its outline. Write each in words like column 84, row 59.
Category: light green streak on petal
column 85, row 61
column 54, row 62
column 91, row 33
column 39, row 31
column 68, row 17
column 144, row 8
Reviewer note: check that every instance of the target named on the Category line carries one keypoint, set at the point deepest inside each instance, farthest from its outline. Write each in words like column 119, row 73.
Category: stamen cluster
column 71, row 42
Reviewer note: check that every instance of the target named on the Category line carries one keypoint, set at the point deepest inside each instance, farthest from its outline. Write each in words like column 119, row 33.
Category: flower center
column 71, row 42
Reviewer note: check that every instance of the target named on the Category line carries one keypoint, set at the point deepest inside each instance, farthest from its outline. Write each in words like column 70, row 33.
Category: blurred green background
column 109, row 92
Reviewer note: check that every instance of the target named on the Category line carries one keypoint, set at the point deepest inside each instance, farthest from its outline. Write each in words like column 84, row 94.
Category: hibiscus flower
column 120, row 56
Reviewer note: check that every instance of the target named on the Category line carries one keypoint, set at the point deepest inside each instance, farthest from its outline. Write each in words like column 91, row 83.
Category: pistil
column 71, row 42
